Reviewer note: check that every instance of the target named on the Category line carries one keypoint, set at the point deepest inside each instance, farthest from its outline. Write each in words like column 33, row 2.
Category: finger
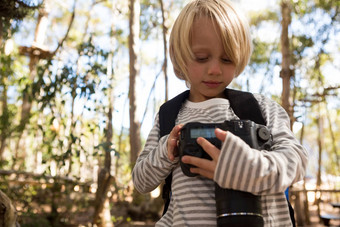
column 171, row 148
column 212, row 151
column 202, row 163
column 206, row 167
column 203, row 172
column 220, row 134
column 172, row 142
column 175, row 131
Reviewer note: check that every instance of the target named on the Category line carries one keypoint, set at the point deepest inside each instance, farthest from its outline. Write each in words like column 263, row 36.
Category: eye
column 201, row 59
column 226, row 60
column 201, row 56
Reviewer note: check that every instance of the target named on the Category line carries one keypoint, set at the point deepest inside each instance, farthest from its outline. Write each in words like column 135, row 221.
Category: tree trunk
column 8, row 214
column 72, row 126
column 306, row 205
column 333, row 140
column 320, row 145
column 165, row 51
column 105, row 179
column 298, row 210
column 4, row 112
column 135, row 141
column 286, row 71
column 102, row 216
column 1, row 34
column 74, row 87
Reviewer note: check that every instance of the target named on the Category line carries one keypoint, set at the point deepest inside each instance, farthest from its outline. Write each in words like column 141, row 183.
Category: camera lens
column 237, row 208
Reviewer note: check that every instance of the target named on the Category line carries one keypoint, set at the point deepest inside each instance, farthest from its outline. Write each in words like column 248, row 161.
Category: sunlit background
column 65, row 135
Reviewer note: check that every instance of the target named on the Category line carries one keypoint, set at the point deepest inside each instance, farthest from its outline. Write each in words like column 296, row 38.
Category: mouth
column 212, row 84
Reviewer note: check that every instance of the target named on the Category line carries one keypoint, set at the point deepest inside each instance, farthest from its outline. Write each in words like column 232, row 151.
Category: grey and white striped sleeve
column 243, row 168
column 152, row 165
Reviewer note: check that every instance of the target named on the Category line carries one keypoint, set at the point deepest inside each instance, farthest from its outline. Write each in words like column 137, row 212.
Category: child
column 210, row 45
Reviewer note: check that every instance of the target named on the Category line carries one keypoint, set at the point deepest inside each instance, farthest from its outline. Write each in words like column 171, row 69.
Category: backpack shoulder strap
column 245, row 105
column 168, row 112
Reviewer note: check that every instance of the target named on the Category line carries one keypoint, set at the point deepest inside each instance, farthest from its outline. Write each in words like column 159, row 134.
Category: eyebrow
column 199, row 47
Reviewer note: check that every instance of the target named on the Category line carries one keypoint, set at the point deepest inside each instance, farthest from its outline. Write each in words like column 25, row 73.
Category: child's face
column 210, row 72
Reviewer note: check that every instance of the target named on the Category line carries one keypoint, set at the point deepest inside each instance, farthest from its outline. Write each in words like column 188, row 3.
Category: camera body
column 255, row 135
column 233, row 208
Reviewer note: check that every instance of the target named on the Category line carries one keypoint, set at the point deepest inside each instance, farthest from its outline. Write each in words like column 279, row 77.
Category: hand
column 172, row 143
column 205, row 167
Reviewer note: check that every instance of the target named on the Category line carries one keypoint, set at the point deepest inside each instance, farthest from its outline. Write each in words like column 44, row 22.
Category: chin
column 214, row 94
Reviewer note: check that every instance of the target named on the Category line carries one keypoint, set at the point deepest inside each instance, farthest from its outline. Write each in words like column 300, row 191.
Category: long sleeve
column 263, row 172
column 152, row 165
column 267, row 173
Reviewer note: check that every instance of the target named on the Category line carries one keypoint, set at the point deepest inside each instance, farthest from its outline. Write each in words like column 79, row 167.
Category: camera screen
column 202, row 132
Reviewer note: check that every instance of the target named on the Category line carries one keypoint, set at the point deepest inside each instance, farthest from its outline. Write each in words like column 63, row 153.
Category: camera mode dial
column 263, row 134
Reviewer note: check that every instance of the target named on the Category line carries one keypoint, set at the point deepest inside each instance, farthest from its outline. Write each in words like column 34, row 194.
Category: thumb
column 220, row 134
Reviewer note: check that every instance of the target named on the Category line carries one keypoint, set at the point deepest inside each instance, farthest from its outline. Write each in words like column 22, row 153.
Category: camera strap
column 244, row 105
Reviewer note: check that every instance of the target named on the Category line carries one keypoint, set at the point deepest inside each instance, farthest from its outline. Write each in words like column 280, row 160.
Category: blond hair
column 231, row 24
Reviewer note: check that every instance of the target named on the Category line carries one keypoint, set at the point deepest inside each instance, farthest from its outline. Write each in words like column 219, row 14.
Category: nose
column 215, row 68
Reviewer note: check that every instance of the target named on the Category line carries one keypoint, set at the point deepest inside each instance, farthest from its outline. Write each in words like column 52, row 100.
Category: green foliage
column 256, row 17
column 11, row 13
column 262, row 52
column 151, row 17
column 300, row 44
column 314, row 26
column 16, row 9
column 69, row 93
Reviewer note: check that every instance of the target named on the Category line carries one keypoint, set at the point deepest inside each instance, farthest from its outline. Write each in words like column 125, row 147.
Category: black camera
column 255, row 135
column 234, row 208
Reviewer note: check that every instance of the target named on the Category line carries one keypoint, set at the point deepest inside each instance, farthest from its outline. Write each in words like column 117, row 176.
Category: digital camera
column 234, row 208
column 255, row 135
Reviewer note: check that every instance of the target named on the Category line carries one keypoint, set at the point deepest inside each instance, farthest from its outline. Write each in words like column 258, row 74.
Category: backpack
column 244, row 105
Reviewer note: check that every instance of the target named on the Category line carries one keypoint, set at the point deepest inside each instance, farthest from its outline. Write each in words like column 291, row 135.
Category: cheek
column 230, row 71
column 194, row 68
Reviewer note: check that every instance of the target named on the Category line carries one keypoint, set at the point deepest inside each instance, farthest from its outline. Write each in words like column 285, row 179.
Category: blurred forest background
column 81, row 81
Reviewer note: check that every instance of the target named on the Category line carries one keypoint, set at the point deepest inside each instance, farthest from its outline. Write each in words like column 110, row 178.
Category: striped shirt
column 264, row 173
